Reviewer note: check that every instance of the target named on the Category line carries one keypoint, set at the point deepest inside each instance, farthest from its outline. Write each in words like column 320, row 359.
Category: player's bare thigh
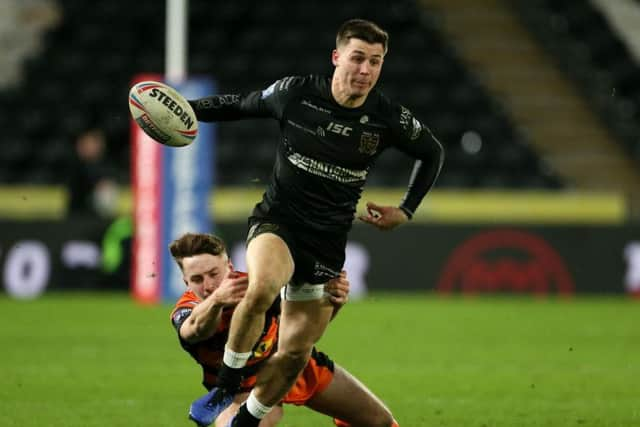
column 270, row 420
column 269, row 263
column 302, row 324
column 350, row 400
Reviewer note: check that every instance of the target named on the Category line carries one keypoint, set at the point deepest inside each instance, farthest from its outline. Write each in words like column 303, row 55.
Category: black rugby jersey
column 326, row 150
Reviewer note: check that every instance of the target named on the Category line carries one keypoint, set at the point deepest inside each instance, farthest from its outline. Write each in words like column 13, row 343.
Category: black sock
column 229, row 378
column 244, row 418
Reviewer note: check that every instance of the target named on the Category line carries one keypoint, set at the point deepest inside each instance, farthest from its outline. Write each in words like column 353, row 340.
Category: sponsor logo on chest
column 315, row 107
column 339, row 129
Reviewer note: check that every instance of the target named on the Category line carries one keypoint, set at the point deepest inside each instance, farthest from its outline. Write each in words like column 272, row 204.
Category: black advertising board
column 37, row 256
column 489, row 259
column 543, row 260
column 52, row 255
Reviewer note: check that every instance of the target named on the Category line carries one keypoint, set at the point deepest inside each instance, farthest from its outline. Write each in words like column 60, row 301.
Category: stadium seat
column 587, row 48
column 245, row 46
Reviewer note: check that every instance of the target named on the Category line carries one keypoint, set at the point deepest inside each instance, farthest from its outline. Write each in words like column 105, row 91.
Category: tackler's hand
column 231, row 290
column 384, row 217
column 338, row 289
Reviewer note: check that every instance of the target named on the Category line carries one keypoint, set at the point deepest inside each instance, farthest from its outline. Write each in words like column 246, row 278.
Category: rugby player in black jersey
column 332, row 130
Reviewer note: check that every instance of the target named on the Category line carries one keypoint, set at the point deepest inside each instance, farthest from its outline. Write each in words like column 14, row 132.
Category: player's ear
column 230, row 266
column 334, row 57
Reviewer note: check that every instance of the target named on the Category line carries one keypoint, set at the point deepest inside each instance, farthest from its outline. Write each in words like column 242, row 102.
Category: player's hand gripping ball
column 163, row 114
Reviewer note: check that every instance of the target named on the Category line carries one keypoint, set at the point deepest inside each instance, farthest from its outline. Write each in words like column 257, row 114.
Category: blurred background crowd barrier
column 538, row 260
column 536, row 102
column 513, row 243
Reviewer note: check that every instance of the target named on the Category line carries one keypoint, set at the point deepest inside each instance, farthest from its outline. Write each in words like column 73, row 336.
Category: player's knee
column 294, row 361
column 261, row 295
column 381, row 419
column 389, row 421
column 258, row 302
column 386, row 421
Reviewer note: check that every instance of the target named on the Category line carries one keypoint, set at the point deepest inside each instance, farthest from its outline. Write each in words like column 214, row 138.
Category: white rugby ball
column 163, row 114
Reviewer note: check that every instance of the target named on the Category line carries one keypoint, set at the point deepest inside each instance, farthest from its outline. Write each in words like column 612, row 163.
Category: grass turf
column 102, row 360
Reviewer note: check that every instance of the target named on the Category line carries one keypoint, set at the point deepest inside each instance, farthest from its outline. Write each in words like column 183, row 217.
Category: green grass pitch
column 102, row 360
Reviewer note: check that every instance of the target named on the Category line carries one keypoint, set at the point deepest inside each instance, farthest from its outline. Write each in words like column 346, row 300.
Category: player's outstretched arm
column 384, row 217
column 416, row 140
column 217, row 108
column 205, row 317
column 267, row 103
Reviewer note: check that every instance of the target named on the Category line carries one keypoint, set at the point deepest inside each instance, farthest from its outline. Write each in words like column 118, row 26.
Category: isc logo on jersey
column 339, row 129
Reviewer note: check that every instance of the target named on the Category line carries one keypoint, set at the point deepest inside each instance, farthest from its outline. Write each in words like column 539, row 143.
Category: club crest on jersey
column 369, row 143
column 263, row 348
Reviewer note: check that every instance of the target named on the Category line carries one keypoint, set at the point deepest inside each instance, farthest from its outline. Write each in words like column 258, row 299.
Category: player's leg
column 271, row 420
column 270, row 266
column 223, row 419
column 302, row 323
column 350, row 401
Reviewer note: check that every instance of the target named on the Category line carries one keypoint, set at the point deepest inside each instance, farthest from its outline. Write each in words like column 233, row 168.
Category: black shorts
column 318, row 256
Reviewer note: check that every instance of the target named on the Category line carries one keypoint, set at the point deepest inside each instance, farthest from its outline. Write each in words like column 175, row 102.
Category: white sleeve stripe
column 288, row 82
column 285, row 83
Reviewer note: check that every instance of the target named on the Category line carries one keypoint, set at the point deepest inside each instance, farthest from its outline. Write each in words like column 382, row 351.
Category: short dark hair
column 191, row 244
column 362, row 29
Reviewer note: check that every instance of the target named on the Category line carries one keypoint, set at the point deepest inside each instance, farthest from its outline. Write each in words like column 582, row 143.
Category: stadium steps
column 21, row 25
column 557, row 120
column 624, row 17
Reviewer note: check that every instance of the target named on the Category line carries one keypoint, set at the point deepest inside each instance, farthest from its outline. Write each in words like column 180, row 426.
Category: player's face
column 358, row 65
column 203, row 273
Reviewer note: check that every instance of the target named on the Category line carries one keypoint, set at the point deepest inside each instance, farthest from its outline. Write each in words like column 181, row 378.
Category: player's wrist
column 216, row 301
column 408, row 213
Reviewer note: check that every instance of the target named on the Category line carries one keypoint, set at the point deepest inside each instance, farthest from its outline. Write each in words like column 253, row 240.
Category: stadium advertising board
column 488, row 259
column 36, row 257
column 556, row 260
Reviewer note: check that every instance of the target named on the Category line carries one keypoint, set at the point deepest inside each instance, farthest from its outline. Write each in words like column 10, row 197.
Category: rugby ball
column 163, row 114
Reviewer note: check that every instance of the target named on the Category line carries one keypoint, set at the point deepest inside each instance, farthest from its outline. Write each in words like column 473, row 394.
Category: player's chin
column 358, row 92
